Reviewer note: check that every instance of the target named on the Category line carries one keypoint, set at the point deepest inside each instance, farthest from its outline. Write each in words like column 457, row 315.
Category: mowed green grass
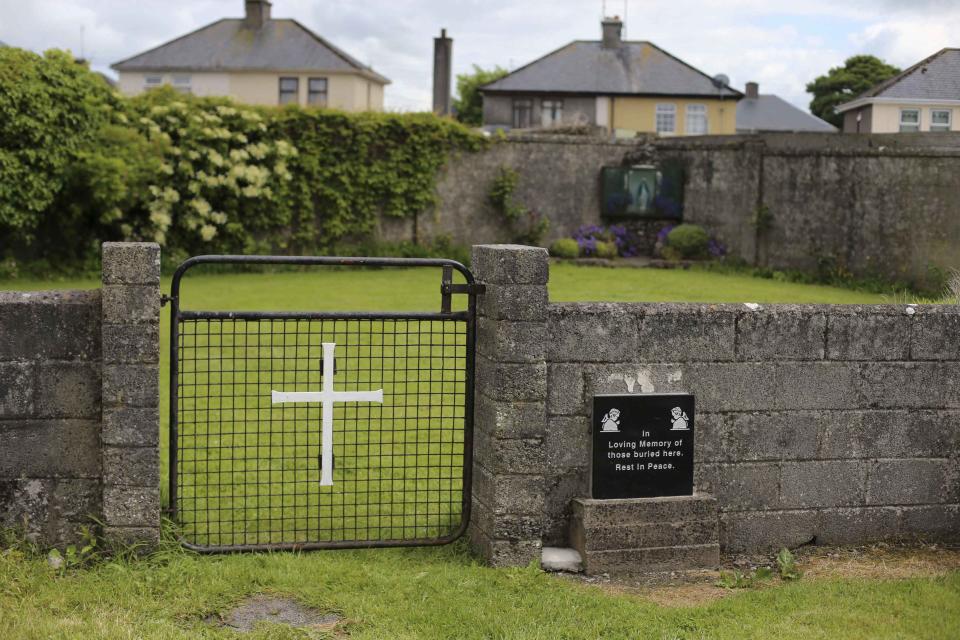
column 441, row 592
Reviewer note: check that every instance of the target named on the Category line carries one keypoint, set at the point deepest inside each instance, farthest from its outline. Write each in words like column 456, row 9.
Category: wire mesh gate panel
column 255, row 396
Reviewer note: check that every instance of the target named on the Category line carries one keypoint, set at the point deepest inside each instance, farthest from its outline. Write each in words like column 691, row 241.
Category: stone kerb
column 510, row 414
column 130, row 433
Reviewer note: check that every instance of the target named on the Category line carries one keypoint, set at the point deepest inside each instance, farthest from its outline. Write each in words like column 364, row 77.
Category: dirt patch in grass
column 274, row 610
column 881, row 562
column 874, row 562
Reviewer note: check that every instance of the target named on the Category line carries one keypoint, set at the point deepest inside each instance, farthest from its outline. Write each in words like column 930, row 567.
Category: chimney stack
column 258, row 13
column 612, row 32
column 442, row 69
column 753, row 90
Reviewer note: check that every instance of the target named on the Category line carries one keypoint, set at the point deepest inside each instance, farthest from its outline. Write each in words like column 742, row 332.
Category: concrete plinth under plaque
column 641, row 535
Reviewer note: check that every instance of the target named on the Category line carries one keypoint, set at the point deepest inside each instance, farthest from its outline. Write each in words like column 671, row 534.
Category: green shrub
column 688, row 242
column 565, row 248
column 83, row 165
column 51, row 108
column 606, row 249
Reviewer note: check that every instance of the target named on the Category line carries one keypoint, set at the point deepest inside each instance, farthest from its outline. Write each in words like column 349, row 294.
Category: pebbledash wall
column 874, row 204
column 826, row 424
column 79, row 404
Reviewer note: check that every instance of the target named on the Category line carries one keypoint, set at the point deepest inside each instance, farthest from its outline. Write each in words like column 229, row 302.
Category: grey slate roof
column 772, row 113
column 935, row 78
column 638, row 68
column 228, row 45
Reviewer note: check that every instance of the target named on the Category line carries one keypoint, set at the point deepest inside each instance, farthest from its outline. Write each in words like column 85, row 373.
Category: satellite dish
column 721, row 80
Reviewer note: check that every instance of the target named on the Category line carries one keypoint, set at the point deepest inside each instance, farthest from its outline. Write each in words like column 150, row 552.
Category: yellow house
column 626, row 87
column 257, row 60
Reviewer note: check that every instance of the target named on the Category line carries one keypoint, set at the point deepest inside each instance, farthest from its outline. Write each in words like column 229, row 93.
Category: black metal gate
column 313, row 430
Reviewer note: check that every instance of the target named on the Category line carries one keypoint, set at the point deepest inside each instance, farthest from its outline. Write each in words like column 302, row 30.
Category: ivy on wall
column 80, row 165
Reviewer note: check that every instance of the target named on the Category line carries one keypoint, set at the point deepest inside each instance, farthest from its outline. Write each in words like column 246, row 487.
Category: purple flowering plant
column 587, row 237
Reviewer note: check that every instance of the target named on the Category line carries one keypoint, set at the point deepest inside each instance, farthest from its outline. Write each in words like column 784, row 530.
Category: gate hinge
column 164, row 299
column 449, row 289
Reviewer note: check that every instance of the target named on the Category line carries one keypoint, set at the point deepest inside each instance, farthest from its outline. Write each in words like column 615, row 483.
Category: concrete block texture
column 131, row 426
column 651, row 559
column 511, row 456
column 834, row 483
column 511, row 382
column 869, row 337
column 130, row 263
column 130, row 304
column 934, row 335
column 512, row 341
column 502, row 493
column 592, row 333
column 565, row 390
column 510, row 264
column 598, row 513
column 522, row 303
column 900, row 482
column 781, row 333
column 68, row 390
column 506, row 526
column 752, row 531
column 672, row 334
column 50, row 325
column 17, row 383
column 49, row 449
column 567, row 443
column 508, row 419
column 131, row 466
column 662, row 534
column 131, row 385
column 125, row 506
column 131, row 343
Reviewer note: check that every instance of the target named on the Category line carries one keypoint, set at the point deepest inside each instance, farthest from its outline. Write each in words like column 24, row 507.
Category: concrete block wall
column 79, row 392
column 833, row 424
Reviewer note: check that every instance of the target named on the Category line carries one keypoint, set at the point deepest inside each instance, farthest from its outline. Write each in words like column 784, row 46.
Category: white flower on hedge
column 207, row 232
column 239, row 155
column 201, row 206
column 218, row 217
column 226, row 111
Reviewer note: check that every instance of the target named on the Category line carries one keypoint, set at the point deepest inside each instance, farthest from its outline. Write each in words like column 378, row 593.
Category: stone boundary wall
column 79, row 399
column 874, row 204
column 834, row 424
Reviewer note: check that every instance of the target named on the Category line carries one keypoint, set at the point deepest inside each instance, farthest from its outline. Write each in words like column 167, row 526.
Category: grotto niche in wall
column 642, row 188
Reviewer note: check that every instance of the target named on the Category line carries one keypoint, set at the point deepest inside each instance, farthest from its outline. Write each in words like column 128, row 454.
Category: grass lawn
column 442, row 592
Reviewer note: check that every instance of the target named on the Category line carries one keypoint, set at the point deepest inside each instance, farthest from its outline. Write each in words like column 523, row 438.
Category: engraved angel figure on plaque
column 611, row 421
column 680, row 420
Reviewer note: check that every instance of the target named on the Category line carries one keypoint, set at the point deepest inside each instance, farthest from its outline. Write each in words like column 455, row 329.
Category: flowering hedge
column 198, row 175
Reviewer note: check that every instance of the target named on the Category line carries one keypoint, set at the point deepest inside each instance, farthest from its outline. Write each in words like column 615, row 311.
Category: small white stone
column 753, row 306
column 561, row 559
column 911, row 310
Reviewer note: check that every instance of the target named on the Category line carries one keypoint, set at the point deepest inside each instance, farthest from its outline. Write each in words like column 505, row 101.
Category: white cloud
column 781, row 44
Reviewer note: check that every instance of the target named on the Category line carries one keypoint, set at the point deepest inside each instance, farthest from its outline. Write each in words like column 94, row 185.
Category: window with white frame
column 289, row 90
column 152, row 81
column 940, row 119
column 696, row 124
column 909, row 120
column 551, row 112
column 317, row 92
column 666, row 119
column 182, row 83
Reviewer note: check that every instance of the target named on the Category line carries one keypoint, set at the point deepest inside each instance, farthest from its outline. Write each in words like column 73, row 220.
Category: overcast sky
column 782, row 44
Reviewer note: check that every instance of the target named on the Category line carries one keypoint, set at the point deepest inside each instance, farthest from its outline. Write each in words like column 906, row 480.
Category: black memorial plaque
column 642, row 446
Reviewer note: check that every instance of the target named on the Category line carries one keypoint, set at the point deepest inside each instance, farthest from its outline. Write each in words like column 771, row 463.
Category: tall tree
column 469, row 103
column 842, row 84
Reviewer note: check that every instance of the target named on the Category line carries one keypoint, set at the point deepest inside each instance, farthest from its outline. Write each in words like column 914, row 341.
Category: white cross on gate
column 327, row 396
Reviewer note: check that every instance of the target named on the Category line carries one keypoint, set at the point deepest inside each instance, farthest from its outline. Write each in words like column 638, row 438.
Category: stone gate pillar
column 130, row 433
column 510, row 410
